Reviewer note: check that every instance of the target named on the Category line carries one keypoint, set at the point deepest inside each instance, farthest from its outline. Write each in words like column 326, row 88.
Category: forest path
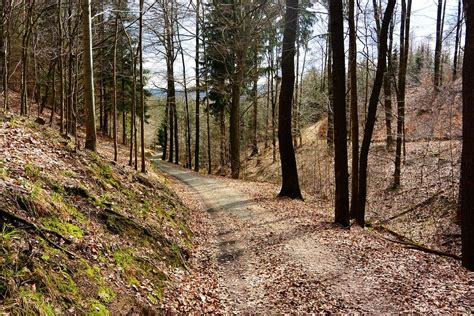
column 273, row 261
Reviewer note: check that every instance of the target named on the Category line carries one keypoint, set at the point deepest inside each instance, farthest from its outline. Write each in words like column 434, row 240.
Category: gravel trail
column 276, row 255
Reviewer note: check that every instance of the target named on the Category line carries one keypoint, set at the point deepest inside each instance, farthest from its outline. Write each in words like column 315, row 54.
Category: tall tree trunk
column 134, row 99
column 457, row 41
column 222, row 142
column 438, row 46
column 296, row 91
column 387, row 88
column 197, row 121
column 254, row 144
column 404, row 48
column 273, row 99
column 467, row 164
column 353, row 107
column 176, row 137
column 186, row 103
column 171, row 91
column 339, row 99
column 234, row 123
column 165, row 131
column 372, row 111
column 142, row 90
column 114, row 78
column 61, row 68
column 290, row 183
column 6, row 51
column 208, row 112
column 28, row 16
column 53, row 103
column 330, row 128
column 88, row 76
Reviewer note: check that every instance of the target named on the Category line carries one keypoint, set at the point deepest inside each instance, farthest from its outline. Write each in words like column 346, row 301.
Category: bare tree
column 339, row 103
column 404, row 49
column 467, row 164
column 88, row 76
column 290, row 183
column 372, row 112
column 142, row 91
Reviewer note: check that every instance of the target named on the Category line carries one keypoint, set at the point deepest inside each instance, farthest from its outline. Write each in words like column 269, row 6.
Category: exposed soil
column 276, row 255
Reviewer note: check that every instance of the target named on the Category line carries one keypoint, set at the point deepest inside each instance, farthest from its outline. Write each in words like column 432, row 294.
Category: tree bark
column 457, row 41
column 234, row 124
column 438, row 46
column 197, row 120
column 254, row 144
column 387, row 88
column 88, row 76
column 114, row 76
column 404, row 42
column 353, row 107
column 339, row 99
column 372, row 111
column 290, row 183
column 330, row 127
column 142, row 92
column 467, row 164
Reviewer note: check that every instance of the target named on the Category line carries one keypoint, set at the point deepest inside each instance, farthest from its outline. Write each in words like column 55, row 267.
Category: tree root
column 41, row 231
column 408, row 243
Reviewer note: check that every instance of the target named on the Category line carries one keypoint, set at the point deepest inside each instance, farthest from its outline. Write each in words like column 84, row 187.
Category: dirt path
column 274, row 256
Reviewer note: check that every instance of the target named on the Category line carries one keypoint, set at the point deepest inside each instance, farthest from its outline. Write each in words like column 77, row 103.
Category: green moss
column 97, row 309
column 32, row 171
column 100, row 201
column 64, row 283
column 133, row 281
column 123, row 258
column 3, row 171
column 106, row 294
column 68, row 229
column 152, row 298
column 37, row 191
column 34, row 303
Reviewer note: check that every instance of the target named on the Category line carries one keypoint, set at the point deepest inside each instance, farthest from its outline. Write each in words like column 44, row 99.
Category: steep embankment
column 80, row 234
column 424, row 207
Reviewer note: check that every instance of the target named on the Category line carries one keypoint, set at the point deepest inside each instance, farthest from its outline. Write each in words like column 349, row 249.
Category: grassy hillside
column 79, row 234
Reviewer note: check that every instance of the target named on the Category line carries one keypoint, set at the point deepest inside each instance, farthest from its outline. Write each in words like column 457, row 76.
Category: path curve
column 269, row 262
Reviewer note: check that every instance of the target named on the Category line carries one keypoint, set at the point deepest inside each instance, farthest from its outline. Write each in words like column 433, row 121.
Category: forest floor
column 279, row 255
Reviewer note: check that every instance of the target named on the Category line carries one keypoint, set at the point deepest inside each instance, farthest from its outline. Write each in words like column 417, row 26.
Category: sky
column 423, row 29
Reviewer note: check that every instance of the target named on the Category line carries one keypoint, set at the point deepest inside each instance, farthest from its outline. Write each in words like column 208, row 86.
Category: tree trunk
column 290, row 183
column 354, row 110
column 88, row 76
column 457, row 41
column 404, row 42
column 134, row 100
column 114, row 78
column 339, row 99
column 222, row 142
column 372, row 111
column 438, row 46
column 234, row 124
column 165, row 132
column 197, row 121
column 254, row 144
column 467, row 164
column 6, row 52
column 142, row 92
column 186, row 114
column 61, row 68
column 387, row 88
column 330, row 127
